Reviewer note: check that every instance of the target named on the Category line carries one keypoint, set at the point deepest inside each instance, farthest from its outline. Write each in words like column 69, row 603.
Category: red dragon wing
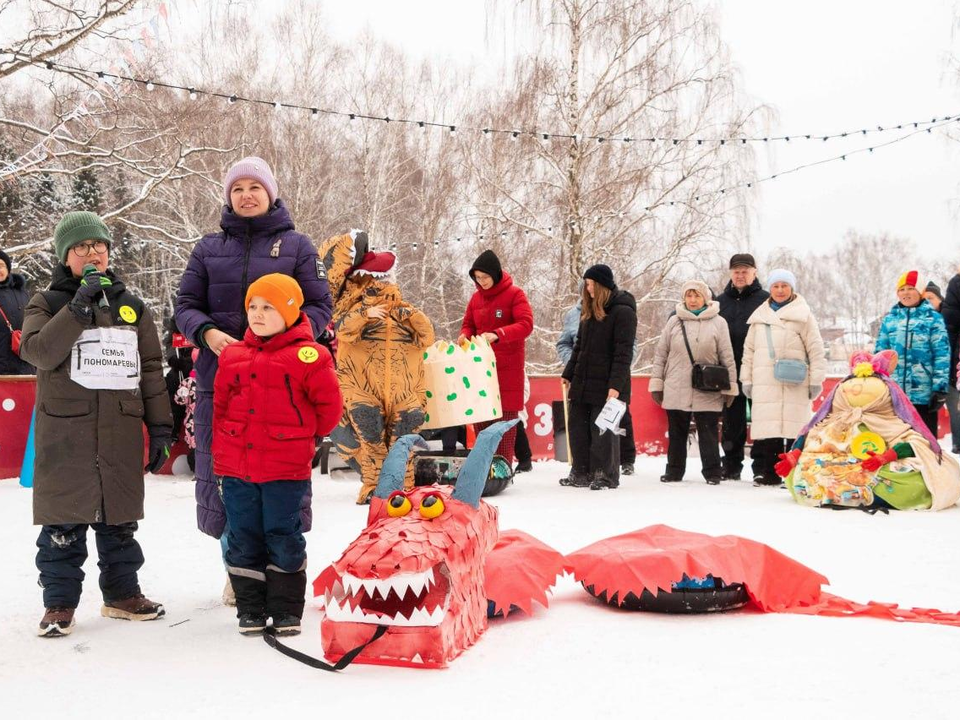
column 657, row 556
column 519, row 570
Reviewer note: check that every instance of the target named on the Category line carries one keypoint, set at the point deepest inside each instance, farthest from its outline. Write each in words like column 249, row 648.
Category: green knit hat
column 74, row 228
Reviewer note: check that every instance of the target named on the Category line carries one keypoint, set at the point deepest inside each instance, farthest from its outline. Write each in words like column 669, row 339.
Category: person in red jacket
column 499, row 312
column 274, row 392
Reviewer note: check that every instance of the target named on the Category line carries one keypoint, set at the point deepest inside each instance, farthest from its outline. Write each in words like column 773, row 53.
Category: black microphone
column 102, row 303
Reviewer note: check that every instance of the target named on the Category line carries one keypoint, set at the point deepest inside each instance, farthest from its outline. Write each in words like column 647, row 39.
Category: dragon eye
column 431, row 506
column 398, row 504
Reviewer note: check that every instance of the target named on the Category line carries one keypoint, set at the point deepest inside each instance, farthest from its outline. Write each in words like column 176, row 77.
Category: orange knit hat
column 281, row 291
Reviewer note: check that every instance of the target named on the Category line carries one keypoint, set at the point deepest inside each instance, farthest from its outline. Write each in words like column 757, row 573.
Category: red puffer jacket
column 271, row 398
column 504, row 310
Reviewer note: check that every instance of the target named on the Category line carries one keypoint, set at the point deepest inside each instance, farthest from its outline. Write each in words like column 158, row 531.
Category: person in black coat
column 950, row 309
column 598, row 369
column 13, row 300
column 739, row 299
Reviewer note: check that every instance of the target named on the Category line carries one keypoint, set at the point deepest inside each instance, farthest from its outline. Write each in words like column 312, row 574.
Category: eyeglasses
column 83, row 249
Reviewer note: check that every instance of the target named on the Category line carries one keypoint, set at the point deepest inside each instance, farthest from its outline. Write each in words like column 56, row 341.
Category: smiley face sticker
column 128, row 314
column 308, row 355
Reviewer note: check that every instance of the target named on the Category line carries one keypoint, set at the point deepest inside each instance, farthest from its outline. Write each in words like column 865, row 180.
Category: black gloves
column 90, row 286
column 160, row 443
column 657, row 396
column 937, row 400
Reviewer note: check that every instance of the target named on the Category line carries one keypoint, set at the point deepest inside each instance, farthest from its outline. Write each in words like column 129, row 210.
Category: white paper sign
column 610, row 416
column 106, row 359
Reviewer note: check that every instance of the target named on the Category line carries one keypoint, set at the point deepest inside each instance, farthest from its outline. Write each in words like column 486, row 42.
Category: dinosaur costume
column 379, row 360
column 867, row 447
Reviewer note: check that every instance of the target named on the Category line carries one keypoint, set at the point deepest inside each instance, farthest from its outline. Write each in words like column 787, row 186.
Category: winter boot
column 713, row 479
column 602, row 482
column 576, row 479
column 763, row 480
column 251, row 595
column 286, row 624
column 133, row 608
column 285, row 597
column 524, row 466
column 56, row 622
column 670, row 478
column 251, row 623
column 626, row 469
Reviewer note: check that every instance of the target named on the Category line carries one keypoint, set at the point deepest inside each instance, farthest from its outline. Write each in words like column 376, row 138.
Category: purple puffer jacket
column 212, row 290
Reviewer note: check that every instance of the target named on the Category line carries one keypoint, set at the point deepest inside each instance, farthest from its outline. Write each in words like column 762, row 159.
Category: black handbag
column 706, row 378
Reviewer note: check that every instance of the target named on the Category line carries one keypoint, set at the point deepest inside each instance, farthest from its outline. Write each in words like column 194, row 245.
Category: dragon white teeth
column 417, row 659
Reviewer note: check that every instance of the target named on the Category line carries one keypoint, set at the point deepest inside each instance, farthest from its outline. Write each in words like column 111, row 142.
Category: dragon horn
column 473, row 474
column 395, row 465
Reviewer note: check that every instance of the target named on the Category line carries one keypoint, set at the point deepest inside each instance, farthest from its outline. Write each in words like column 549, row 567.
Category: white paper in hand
column 611, row 415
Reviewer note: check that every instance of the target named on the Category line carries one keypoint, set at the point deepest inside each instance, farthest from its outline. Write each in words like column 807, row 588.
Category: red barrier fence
column 649, row 420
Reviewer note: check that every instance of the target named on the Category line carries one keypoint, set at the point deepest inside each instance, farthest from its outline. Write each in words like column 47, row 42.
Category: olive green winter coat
column 89, row 443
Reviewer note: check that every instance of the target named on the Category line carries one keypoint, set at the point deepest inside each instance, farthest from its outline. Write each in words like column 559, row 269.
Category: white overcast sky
column 823, row 66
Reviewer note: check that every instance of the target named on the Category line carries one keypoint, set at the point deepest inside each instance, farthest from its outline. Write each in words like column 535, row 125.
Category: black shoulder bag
column 706, row 378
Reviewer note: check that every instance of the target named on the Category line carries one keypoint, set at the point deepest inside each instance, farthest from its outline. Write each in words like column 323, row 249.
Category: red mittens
column 788, row 461
column 875, row 462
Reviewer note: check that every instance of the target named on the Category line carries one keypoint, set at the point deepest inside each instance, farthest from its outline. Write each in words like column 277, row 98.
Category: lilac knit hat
column 254, row 168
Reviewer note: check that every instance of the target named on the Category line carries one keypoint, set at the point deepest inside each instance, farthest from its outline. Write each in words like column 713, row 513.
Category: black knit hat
column 488, row 263
column 931, row 287
column 601, row 274
column 6, row 260
column 741, row 259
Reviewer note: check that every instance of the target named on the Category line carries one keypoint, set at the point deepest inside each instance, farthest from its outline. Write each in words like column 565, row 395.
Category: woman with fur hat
column 598, row 370
column 694, row 334
column 13, row 301
column 256, row 238
column 783, row 370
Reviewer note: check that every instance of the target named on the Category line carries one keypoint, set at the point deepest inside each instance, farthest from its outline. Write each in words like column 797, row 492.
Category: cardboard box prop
column 461, row 384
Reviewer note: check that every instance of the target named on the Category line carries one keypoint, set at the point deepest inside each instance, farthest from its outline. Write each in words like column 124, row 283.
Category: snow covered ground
column 577, row 659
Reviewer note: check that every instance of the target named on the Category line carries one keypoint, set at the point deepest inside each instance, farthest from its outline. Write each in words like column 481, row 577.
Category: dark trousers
column 953, row 398
column 628, row 448
column 266, row 551
column 62, row 550
column 734, row 434
column 592, row 451
column 522, row 445
column 678, row 429
column 929, row 417
column 766, row 454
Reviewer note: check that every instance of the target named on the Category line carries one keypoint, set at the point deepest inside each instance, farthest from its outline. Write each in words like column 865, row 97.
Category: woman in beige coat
column 671, row 381
column 783, row 328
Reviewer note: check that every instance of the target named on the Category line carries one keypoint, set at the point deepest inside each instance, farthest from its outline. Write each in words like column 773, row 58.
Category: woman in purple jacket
column 256, row 238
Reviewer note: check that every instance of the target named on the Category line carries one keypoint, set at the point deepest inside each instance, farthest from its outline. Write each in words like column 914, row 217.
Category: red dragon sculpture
column 418, row 568
column 417, row 586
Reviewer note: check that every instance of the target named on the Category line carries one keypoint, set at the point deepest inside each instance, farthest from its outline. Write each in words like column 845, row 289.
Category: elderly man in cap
column 739, row 299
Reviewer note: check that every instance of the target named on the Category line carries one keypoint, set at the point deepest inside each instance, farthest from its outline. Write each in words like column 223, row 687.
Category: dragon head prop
column 417, row 568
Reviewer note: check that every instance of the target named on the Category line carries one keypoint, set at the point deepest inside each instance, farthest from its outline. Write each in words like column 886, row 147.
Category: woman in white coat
column 671, row 380
column 782, row 372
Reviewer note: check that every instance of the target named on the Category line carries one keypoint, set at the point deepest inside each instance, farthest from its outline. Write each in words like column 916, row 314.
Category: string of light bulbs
column 194, row 92
column 504, row 234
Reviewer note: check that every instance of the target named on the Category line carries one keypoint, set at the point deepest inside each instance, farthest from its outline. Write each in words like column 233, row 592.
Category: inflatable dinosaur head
column 417, row 567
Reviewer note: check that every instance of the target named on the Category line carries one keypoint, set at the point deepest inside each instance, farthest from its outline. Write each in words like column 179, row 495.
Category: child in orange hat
column 275, row 391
